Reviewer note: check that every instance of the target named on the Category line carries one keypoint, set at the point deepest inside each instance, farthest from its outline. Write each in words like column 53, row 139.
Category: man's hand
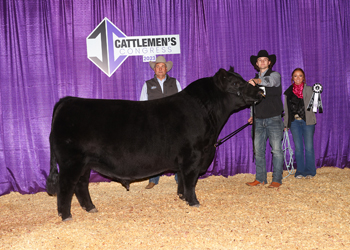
column 252, row 82
column 250, row 120
column 255, row 81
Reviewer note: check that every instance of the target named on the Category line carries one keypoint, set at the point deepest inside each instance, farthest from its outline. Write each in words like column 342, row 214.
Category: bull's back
column 108, row 120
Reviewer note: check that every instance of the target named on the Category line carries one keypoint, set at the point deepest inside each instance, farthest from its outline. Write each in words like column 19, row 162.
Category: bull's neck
column 209, row 98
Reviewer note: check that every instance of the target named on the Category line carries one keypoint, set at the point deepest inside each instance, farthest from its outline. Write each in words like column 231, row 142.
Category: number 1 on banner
column 149, row 58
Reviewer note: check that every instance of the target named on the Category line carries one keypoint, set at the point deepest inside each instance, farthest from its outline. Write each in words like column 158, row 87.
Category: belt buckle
column 297, row 117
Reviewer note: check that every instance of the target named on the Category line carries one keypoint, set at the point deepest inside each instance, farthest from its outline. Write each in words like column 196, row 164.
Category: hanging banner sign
column 108, row 47
column 315, row 101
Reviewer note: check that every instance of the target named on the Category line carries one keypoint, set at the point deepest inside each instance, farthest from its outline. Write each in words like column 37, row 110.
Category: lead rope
column 253, row 132
column 287, row 148
column 221, row 141
column 254, row 124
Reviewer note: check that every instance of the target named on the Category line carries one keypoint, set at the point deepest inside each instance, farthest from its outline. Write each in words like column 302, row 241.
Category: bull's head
column 233, row 83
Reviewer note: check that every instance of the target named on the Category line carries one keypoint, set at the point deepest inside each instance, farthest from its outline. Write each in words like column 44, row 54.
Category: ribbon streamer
column 315, row 101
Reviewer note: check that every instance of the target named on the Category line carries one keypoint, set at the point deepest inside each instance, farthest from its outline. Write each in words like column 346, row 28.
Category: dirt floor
column 301, row 214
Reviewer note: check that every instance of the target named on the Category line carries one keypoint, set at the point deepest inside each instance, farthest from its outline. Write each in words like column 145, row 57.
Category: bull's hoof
column 94, row 210
column 67, row 219
column 193, row 204
column 182, row 197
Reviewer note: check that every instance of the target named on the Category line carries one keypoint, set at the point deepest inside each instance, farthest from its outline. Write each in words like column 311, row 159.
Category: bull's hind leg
column 68, row 178
column 82, row 193
column 64, row 197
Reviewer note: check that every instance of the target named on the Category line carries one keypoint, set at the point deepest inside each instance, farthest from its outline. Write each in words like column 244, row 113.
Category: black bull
column 131, row 140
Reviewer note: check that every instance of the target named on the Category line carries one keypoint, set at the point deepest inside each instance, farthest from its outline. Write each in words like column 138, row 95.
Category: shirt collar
column 162, row 81
column 263, row 73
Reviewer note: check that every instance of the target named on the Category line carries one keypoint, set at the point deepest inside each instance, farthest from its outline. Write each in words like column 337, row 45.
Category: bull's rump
column 128, row 139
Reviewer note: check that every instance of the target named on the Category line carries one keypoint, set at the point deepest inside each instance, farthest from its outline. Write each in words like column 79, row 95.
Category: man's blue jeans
column 272, row 129
column 155, row 179
column 305, row 166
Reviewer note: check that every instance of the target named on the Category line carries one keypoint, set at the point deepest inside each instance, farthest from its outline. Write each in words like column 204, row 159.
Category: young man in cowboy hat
column 161, row 85
column 268, row 119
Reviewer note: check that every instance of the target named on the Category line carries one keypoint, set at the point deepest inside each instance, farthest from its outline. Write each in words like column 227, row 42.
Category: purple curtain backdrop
column 43, row 58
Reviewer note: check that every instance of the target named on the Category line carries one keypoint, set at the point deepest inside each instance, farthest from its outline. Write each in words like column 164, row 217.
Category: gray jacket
column 309, row 115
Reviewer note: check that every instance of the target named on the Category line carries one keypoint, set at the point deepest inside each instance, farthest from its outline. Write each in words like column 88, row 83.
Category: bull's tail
column 52, row 179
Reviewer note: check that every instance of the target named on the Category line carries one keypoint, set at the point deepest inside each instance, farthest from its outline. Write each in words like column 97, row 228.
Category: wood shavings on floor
column 301, row 214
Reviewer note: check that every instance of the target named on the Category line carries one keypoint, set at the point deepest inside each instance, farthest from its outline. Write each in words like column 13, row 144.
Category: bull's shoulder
column 200, row 86
column 204, row 90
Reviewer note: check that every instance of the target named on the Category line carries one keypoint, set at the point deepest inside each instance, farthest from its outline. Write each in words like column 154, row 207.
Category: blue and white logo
column 108, row 47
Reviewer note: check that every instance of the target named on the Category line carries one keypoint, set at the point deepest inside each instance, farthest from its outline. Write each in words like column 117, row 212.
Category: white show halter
column 287, row 148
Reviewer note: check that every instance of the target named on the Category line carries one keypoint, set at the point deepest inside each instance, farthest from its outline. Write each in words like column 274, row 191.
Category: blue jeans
column 302, row 131
column 155, row 179
column 271, row 128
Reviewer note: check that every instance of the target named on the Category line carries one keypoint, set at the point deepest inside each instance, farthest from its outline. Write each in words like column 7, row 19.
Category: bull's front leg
column 180, row 185
column 189, row 184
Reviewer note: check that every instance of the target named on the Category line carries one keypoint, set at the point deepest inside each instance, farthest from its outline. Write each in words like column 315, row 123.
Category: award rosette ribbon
column 315, row 101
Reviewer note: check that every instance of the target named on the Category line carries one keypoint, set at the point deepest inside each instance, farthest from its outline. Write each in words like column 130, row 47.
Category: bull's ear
column 219, row 77
column 221, row 73
column 231, row 69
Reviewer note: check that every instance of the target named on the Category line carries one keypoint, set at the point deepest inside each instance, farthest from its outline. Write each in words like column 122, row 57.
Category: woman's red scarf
column 298, row 90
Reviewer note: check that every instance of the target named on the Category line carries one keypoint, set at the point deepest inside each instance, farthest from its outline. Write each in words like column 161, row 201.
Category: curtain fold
column 43, row 58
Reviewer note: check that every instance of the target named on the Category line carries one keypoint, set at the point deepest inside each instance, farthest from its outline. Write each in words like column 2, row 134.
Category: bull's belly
column 131, row 171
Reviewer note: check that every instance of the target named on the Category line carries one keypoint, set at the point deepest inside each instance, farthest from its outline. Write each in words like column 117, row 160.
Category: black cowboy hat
column 263, row 53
